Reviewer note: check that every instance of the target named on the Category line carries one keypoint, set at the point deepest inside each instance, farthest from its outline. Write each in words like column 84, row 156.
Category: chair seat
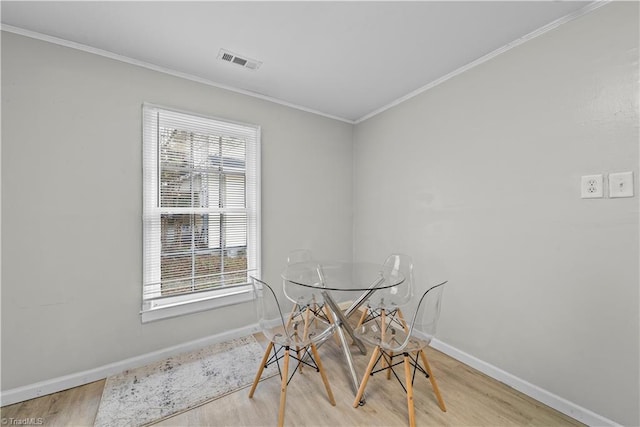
column 317, row 330
column 394, row 338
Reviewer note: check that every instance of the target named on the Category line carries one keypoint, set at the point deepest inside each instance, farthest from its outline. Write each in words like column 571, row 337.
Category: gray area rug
column 156, row 391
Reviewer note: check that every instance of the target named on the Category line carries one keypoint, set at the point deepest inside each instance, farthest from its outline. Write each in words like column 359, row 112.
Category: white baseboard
column 65, row 382
column 558, row 403
column 20, row 394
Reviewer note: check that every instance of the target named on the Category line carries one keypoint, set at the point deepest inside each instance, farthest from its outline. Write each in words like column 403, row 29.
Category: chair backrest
column 297, row 293
column 425, row 319
column 270, row 317
column 299, row 255
column 396, row 296
column 301, row 327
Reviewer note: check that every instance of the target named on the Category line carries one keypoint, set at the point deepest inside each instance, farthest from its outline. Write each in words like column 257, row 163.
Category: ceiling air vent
column 242, row 61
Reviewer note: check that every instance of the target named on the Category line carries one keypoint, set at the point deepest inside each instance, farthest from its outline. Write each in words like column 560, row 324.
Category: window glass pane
column 207, row 266
column 214, row 226
column 177, row 233
column 175, row 168
column 175, row 287
column 233, row 152
column 234, row 186
column 191, row 250
column 212, row 188
column 190, row 166
column 235, row 229
column 175, row 266
column 235, row 264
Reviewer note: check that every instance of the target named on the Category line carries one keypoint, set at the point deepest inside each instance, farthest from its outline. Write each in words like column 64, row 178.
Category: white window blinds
column 200, row 215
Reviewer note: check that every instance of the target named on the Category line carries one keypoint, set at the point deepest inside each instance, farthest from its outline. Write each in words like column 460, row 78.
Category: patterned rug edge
column 196, row 403
column 182, row 411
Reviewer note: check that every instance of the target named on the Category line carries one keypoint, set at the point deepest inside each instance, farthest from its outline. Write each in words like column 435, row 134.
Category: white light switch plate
column 621, row 184
column 591, row 187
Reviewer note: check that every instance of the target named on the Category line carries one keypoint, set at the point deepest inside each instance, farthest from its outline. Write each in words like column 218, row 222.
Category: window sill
column 219, row 298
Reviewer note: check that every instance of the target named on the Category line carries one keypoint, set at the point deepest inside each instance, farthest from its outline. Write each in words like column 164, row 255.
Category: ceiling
column 345, row 60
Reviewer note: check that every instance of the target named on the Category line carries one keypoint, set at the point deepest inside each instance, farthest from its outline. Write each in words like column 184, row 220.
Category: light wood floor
column 472, row 399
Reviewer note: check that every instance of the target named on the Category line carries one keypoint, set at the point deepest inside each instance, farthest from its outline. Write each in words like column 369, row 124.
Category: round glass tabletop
column 342, row 276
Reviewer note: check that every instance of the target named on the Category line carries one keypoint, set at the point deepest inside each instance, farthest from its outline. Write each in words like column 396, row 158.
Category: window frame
column 155, row 306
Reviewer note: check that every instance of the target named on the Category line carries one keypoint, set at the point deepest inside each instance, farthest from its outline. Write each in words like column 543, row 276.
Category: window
column 200, row 214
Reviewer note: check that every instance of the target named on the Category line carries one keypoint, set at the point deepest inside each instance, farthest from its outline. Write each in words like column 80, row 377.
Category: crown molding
column 158, row 68
column 536, row 33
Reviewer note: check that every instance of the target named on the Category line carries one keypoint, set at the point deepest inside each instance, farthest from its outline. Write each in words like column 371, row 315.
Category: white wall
column 479, row 178
column 476, row 178
column 72, row 204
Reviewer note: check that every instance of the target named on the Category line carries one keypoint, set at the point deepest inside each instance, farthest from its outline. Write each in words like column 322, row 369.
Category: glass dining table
column 352, row 282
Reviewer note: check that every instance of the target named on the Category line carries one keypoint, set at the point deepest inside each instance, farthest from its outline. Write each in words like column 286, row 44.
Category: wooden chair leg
column 409, row 386
column 305, row 331
column 260, row 369
column 294, row 311
column 329, row 315
column 323, row 374
column 365, row 378
column 307, row 316
column 283, row 387
column 315, row 317
column 386, row 364
column 298, row 349
column 389, row 365
column 364, row 316
column 434, row 384
column 402, row 321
